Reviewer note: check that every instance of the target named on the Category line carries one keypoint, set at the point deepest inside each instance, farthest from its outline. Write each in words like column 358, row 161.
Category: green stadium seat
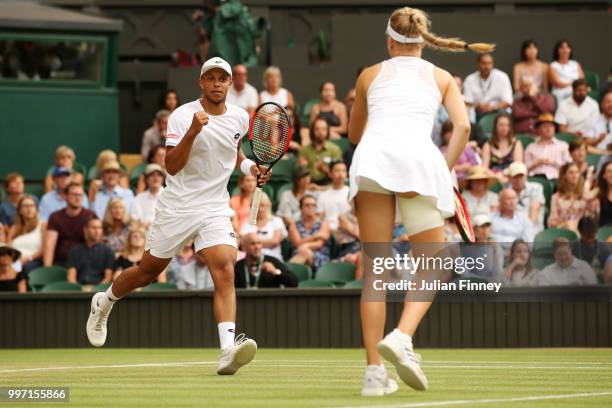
column 592, row 79
column 543, row 241
column 604, row 232
column 354, row 284
column 34, row 189
column 337, row 272
column 566, row 137
column 343, row 143
column 497, row 187
column 305, row 114
column 62, row 287
column 158, row 286
column 485, row 124
column 101, row 287
column 137, row 171
column 39, row 277
column 593, row 159
column 246, row 148
column 233, row 181
column 284, row 170
column 525, row 138
column 302, row 271
column 312, row 283
column 540, row 262
column 92, row 174
column 2, row 194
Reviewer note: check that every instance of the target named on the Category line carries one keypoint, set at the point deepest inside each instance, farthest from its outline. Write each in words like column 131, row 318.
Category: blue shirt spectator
column 508, row 224
column 14, row 187
column 110, row 174
column 55, row 200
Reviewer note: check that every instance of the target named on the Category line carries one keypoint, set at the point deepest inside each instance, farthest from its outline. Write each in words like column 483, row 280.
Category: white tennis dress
column 396, row 150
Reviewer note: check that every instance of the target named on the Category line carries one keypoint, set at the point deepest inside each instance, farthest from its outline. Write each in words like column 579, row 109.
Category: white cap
column 216, row 62
column 517, row 168
column 481, row 219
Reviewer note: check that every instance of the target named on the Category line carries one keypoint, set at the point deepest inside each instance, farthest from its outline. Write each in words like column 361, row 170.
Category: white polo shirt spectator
column 531, row 200
column 143, row 207
column 602, row 126
column 578, row 118
column 242, row 93
column 567, row 269
column 494, row 89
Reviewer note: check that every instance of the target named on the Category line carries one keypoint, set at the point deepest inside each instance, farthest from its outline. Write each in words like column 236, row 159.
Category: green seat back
column 604, row 232
column 566, row 137
column 336, row 272
column 543, row 241
column 102, row 287
column 300, row 270
column 62, row 287
column 540, row 262
column 343, row 143
column 593, row 159
column 485, row 124
column 525, row 138
column 284, row 170
column 39, row 277
column 497, row 187
column 305, row 114
column 311, row 283
column 157, row 286
column 354, row 284
column 34, row 189
column 592, row 79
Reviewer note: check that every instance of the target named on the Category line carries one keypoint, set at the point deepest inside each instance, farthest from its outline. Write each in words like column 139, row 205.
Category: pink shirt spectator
column 556, row 150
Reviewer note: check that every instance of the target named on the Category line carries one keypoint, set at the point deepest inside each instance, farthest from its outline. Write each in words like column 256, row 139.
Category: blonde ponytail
column 412, row 22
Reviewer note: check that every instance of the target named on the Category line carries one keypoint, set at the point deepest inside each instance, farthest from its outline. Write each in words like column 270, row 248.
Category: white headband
column 402, row 38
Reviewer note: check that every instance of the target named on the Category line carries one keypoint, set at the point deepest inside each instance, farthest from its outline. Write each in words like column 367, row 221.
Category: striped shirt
column 555, row 149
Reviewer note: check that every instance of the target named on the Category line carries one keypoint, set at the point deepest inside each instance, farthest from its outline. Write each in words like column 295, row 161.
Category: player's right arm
column 177, row 155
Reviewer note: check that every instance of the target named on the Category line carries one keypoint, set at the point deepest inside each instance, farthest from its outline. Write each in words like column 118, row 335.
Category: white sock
column 106, row 302
column 376, row 368
column 227, row 330
column 405, row 337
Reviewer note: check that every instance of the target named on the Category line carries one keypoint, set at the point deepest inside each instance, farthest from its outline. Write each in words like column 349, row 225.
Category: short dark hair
column 71, row 185
column 579, row 82
column 559, row 243
column 89, row 220
column 334, row 164
column 325, row 83
column 304, row 198
column 526, row 44
column 587, row 226
column 481, row 56
column 577, row 144
column 312, row 126
column 558, row 45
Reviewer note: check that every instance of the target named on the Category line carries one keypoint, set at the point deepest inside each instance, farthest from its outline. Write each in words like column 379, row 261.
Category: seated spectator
column 531, row 200
column 91, row 262
column 104, row 157
column 188, row 270
column 26, row 235
column 143, row 207
column 563, row 71
column 503, row 149
column 588, row 248
column 318, row 155
column 573, row 199
column 490, row 251
column 132, row 252
column 115, row 224
column 268, row 227
column 257, row 270
column 530, row 66
column 529, row 104
column 577, row 114
column 509, row 224
column 330, row 109
column 14, row 187
column 65, row 158
column 111, row 173
column 468, row 158
column 488, row 89
column 547, row 154
column 477, row 196
column 567, row 270
column 334, row 201
column 242, row 93
column 156, row 134
column 289, row 202
column 65, row 227
column 157, row 156
column 442, row 117
column 348, row 241
column 170, row 100
column 519, row 272
column 600, row 134
column 309, row 235
column 273, row 90
column 55, row 199
column 10, row 279
column 241, row 203
column 578, row 152
column 604, row 194
column 299, row 136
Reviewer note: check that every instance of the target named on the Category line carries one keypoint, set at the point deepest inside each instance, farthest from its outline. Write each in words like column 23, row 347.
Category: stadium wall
column 542, row 317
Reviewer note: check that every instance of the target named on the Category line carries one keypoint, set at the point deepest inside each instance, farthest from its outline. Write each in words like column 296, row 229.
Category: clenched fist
column 200, row 119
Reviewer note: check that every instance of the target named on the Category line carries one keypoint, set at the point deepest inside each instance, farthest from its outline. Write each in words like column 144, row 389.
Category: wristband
column 245, row 167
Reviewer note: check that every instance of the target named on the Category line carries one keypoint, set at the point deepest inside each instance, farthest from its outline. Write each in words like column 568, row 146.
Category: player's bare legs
column 234, row 352
column 376, row 215
column 134, row 277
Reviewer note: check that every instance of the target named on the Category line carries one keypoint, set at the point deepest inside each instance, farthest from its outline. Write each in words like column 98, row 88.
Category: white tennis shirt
column 201, row 186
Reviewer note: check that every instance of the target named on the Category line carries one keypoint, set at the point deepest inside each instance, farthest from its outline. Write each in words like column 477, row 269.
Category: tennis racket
column 269, row 136
column 462, row 218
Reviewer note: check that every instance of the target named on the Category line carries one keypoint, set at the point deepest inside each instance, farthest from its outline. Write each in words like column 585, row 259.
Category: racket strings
column 270, row 133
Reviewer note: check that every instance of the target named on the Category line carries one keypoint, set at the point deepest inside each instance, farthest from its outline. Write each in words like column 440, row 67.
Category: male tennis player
column 203, row 142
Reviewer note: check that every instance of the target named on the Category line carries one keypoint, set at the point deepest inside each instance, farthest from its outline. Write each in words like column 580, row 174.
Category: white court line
column 488, row 401
column 459, row 362
column 293, row 364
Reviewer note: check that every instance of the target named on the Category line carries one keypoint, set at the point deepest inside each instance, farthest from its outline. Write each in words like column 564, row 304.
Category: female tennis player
column 396, row 162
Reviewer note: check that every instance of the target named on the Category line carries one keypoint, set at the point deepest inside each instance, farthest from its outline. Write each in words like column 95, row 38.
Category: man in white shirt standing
column 567, row 269
column 488, row 89
column 577, row 114
column 242, row 93
column 143, row 207
column 600, row 133
column 203, row 143
column 334, row 201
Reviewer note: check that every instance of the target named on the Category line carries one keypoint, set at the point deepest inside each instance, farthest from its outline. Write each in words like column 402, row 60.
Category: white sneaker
column 234, row 357
column 399, row 352
column 377, row 383
column 96, row 323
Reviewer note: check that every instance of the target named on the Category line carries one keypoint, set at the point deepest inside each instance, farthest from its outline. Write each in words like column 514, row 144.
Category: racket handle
column 255, row 206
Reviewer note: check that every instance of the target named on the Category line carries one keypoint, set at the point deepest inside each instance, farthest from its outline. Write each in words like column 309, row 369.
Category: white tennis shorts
column 170, row 231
